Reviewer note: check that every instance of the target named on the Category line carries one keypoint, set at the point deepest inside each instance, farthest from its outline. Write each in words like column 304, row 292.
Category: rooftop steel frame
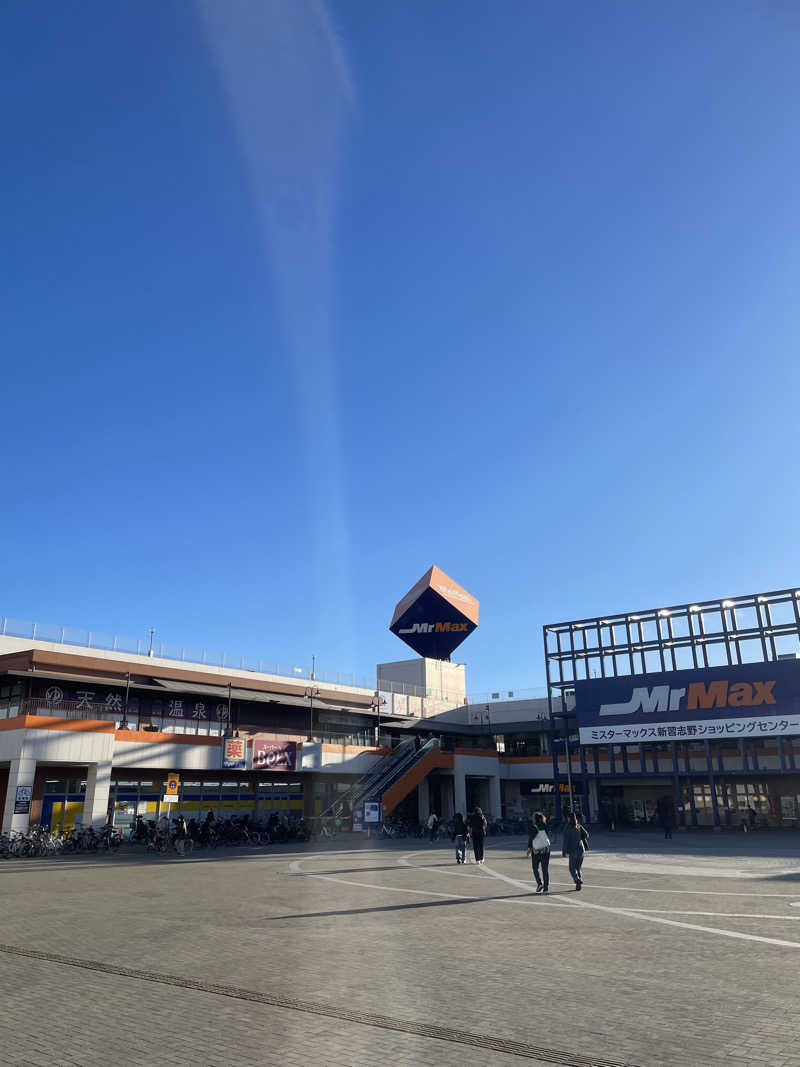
column 757, row 627
column 710, row 633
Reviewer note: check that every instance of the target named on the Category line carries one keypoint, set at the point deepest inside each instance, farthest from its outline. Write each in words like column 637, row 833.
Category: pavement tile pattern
column 362, row 953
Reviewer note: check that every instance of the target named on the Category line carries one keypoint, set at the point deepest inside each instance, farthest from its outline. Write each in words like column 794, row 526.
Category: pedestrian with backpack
column 477, row 826
column 539, row 852
column 574, row 844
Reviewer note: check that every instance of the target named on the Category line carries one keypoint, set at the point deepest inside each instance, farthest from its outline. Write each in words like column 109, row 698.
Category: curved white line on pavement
column 393, row 888
column 295, row 867
column 573, row 903
column 646, row 914
column 404, row 861
column 716, row 914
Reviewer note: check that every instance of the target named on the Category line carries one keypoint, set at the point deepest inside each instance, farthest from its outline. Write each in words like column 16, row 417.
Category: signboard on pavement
column 372, row 812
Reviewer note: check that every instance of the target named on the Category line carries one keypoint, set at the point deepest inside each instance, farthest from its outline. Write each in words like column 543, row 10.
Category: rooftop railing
column 149, row 647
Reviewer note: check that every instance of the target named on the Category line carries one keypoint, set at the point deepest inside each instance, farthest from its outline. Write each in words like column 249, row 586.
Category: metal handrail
column 397, row 770
column 369, row 780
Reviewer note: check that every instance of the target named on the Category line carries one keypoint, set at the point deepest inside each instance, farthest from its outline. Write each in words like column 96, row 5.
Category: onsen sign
column 274, row 755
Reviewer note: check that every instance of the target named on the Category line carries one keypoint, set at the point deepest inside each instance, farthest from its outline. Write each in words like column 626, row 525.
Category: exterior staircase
column 398, row 789
column 386, row 777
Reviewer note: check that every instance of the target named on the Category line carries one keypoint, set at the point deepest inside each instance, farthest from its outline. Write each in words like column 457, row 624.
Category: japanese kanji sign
column 234, row 753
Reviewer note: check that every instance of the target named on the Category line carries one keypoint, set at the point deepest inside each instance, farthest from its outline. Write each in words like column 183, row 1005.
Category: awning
column 220, row 692
column 64, row 676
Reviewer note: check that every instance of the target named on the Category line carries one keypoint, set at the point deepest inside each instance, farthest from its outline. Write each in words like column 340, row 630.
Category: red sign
column 274, row 755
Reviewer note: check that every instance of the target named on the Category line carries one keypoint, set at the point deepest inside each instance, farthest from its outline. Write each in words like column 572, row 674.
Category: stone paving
column 675, row 953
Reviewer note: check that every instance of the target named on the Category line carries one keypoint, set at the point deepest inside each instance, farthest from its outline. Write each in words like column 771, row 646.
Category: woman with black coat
column 477, row 825
column 460, row 832
column 539, row 852
column 574, row 844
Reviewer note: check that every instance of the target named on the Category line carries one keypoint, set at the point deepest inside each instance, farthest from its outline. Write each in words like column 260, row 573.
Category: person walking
column 460, row 831
column 477, row 826
column 668, row 820
column 574, row 844
column 431, row 824
column 539, row 852
column 181, row 834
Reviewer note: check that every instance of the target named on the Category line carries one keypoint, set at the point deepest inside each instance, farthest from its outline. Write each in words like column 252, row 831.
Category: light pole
column 124, row 724
column 310, row 693
column 565, row 741
column 377, row 700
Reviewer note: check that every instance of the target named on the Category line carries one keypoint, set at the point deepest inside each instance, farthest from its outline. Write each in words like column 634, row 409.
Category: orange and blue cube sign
column 173, row 784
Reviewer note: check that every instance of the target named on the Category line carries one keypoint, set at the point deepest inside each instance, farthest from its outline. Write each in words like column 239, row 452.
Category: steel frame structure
column 756, row 627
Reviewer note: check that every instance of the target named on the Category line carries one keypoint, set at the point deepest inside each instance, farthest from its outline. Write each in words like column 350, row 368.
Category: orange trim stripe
column 47, row 722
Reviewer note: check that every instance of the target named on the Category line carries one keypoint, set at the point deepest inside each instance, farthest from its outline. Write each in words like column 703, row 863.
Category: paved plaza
column 365, row 953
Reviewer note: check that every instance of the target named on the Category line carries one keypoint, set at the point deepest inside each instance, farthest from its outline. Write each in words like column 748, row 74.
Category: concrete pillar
column 20, row 772
column 594, row 802
column 448, row 811
column 495, row 801
column 460, row 786
column 95, row 803
column 423, row 800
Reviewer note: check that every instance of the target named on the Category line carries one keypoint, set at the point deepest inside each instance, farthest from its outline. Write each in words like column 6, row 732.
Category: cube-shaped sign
column 435, row 615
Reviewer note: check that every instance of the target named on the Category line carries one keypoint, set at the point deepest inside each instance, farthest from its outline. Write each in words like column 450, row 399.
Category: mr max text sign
column 734, row 702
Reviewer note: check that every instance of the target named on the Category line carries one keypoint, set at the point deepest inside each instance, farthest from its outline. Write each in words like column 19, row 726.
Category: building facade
column 688, row 714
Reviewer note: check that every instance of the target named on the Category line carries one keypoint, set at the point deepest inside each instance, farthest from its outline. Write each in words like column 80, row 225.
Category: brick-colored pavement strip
column 417, row 940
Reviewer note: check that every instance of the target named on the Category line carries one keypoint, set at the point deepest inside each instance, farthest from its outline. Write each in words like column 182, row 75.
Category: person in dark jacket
column 477, row 826
column 574, row 844
column 539, row 852
column 460, row 831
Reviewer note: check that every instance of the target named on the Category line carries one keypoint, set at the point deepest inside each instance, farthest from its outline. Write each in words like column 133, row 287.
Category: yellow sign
column 173, row 783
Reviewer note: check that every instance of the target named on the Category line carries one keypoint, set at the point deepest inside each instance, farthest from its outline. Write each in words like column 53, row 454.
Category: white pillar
column 95, row 804
column 460, row 788
column 423, row 800
column 495, row 803
column 20, row 772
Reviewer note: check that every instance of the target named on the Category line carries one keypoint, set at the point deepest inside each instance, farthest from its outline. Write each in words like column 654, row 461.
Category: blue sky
column 300, row 299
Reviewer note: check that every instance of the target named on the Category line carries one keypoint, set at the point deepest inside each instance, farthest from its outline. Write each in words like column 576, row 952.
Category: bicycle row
column 151, row 836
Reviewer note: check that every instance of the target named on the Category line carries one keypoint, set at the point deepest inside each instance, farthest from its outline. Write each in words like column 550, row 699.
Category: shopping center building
column 689, row 713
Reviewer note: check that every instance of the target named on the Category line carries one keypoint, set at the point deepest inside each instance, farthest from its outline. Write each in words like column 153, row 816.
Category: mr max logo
column 662, row 698
column 435, row 628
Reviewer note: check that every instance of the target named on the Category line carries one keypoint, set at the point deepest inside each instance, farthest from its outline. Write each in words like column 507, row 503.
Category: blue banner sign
column 736, row 702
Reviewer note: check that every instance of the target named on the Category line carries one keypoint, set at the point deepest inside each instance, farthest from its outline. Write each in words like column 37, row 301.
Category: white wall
column 56, row 746
column 433, row 678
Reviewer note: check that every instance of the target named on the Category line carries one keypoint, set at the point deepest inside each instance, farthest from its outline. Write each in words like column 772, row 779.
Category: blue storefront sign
column 735, row 702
